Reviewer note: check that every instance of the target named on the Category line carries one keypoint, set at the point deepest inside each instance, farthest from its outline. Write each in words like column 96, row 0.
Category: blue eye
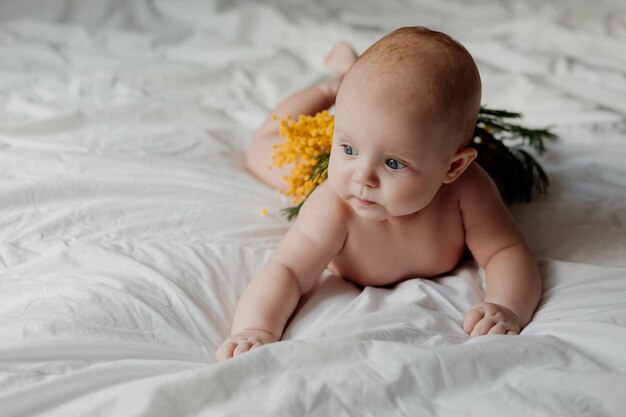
column 347, row 149
column 394, row 164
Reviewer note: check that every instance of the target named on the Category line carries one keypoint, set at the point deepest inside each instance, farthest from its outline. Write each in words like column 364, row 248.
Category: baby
column 403, row 197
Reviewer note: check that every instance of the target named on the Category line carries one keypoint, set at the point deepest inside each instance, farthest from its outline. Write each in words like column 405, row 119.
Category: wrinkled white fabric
column 129, row 227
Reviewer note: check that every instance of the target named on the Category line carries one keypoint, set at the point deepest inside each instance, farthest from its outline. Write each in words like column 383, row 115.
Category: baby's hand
column 242, row 342
column 489, row 318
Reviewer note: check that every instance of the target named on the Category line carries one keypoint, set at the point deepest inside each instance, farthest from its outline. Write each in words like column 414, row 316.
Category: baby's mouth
column 364, row 203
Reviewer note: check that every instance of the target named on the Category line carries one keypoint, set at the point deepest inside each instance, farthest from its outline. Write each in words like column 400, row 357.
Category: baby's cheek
column 336, row 177
column 409, row 198
column 335, row 184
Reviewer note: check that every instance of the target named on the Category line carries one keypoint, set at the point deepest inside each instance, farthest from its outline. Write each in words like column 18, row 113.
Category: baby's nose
column 365, row 176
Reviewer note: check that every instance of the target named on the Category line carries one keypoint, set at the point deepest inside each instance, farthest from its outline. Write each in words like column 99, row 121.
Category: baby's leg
column 309, row 101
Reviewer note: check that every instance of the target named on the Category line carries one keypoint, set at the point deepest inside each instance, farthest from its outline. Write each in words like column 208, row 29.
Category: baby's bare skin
column 403, row 199
column 436, row 239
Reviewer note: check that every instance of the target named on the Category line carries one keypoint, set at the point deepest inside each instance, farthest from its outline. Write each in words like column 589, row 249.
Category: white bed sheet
column 129, row 227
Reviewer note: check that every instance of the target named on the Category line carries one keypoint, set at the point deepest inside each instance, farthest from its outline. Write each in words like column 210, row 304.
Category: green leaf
column 514, row 170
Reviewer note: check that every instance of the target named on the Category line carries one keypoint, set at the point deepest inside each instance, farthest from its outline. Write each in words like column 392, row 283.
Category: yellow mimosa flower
column 307, row 141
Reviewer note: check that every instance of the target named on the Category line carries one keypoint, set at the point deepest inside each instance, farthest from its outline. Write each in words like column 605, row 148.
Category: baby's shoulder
column 475, row 186
column 324, row 204
column 475, row 178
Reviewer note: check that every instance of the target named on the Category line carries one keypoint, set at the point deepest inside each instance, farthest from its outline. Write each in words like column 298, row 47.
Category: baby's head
column 405, row 112
column 427, row 74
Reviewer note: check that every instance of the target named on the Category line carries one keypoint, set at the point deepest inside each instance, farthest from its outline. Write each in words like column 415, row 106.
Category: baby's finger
column 471, row 318
column 499, row 328
column 482, row 327
column 242, row 347
column 256, row 345
column 225, row 351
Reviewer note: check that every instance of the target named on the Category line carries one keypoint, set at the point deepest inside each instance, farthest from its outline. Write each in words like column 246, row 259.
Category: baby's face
column 389, row 158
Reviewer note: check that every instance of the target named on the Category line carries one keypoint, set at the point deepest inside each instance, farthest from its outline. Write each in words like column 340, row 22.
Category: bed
column 129, row 226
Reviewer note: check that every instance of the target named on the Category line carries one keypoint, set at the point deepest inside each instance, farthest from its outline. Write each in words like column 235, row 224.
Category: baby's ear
column 459, row 163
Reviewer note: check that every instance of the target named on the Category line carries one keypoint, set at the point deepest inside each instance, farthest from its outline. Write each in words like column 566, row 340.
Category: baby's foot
column 340, row 58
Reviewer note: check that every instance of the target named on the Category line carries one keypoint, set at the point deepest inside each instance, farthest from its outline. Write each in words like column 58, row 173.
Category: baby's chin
column 374, row 212
column 374, row 217
column 378, row 212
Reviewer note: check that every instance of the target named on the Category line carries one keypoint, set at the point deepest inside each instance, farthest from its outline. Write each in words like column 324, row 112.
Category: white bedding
column 129, row 227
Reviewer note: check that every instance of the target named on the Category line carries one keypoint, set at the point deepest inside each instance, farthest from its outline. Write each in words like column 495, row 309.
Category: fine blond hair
column 453, row 83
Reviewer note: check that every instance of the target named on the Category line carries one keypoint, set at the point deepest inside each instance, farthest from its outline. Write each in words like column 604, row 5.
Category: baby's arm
column 513, row 282
column 271, row 297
